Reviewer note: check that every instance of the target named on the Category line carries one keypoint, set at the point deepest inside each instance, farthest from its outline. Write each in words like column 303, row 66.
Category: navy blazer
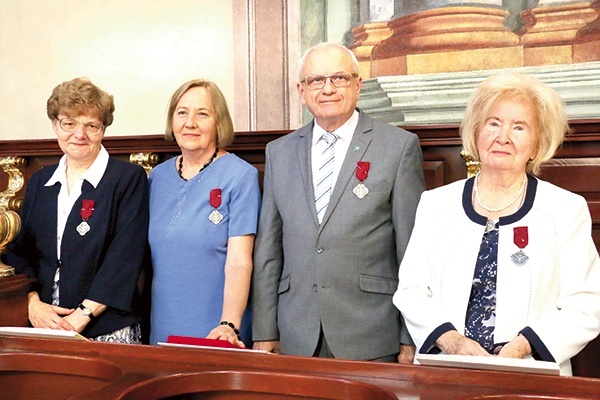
column 104, row 264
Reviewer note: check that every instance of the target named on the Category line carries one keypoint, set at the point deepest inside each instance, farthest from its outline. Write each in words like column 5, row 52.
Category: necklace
column 206, row 164
column 504, row 207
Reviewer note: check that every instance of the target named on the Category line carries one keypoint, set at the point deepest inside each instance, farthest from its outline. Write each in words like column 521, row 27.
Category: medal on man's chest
column 87, row 209
column 215, row 201
column 362, row 172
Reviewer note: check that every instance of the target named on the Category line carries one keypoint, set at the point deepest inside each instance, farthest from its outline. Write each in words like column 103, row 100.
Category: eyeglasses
column 71, row 125
column 339, row 80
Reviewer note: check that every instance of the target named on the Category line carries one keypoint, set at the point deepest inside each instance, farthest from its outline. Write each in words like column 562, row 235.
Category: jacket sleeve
column 268, row 262
column 408, row 187
column 114, row 283
column 575, row 318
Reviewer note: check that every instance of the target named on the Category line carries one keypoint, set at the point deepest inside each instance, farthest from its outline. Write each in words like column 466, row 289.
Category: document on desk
column 492, row 363
column 41, row 333
column 189, row 342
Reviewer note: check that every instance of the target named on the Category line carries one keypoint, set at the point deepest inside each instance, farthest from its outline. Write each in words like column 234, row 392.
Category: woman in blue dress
column 204, row 208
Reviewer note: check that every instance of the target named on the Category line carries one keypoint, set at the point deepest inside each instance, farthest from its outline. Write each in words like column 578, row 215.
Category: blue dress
column 189, row 251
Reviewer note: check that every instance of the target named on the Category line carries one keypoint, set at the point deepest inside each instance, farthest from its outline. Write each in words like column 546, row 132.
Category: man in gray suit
column 339, row 203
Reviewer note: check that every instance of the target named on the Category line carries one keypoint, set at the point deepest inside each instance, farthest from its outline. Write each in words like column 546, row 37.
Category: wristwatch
column 86, row 311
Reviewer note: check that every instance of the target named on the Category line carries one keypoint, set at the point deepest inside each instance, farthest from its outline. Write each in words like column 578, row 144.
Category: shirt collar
column 344, row 132
column 93, row 174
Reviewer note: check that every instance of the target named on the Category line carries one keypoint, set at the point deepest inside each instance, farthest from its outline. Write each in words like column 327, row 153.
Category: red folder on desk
column 194, row 341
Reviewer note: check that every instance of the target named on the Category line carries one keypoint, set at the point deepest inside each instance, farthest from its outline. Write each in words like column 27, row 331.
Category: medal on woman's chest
column 87, row 209
column 215, row 201
column 362, row 172
column 521, row 239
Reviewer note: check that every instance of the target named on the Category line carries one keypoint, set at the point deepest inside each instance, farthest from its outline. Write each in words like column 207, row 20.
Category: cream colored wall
column 140, row 51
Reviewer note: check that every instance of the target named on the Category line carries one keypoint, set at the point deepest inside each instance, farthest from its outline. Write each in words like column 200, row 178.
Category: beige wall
column 140, row 51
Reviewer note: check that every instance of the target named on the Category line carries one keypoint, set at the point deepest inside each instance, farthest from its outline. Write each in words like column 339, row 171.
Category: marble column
column 550, row 34
column 446, row 36
column 374, row 29
column 588, row 48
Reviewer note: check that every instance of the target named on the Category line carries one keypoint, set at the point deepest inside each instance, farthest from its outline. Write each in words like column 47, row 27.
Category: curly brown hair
column 80, row 96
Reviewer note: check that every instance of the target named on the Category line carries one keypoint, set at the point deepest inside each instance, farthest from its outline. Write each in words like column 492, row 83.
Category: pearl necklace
column 504, row 207
column 210, row 160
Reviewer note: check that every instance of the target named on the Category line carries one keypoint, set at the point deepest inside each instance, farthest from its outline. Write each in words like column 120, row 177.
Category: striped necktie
column 325, row 175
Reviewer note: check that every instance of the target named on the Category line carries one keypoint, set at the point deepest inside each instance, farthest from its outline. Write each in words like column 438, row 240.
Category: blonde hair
column 80, row 96
column 225, row 132
column 549, row 116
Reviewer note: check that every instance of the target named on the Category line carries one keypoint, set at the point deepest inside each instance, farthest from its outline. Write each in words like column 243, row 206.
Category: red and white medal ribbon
column 215, row 201
column 521, row 240
column 362, row 173
column 87, row 209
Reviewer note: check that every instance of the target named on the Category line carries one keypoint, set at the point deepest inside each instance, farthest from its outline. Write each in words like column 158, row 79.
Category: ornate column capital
column 10, row 222
column 472, row 165
column 145, row 160
column 14, row 168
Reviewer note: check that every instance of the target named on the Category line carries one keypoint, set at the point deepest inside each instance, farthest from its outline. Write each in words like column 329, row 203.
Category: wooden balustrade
column 576, row 167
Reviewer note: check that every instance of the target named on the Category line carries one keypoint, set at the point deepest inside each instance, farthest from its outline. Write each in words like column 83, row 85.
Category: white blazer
column 556, row 293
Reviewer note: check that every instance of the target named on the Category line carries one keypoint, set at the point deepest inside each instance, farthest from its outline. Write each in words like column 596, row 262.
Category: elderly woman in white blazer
column 504, row 263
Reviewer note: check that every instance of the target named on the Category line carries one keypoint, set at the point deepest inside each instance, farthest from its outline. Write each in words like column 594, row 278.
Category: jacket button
column 319, row 250
column 315, row 288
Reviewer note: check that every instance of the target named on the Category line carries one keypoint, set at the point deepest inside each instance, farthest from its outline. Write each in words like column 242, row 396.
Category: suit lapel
column 50, row 201
column 303, row 151
column 358, row 146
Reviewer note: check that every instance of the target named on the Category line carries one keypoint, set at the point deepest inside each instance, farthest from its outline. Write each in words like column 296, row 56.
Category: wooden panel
column 29, row 368
column 434, row 173
column 576, row 168
column 13, row 300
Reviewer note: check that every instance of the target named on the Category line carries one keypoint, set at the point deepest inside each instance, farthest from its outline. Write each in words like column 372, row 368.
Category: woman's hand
column 519, row 347
column 453, row 342
column 44, row 315
column 225, row 332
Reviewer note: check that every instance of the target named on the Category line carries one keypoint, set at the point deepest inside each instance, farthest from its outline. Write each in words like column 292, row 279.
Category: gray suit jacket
column 340, row 274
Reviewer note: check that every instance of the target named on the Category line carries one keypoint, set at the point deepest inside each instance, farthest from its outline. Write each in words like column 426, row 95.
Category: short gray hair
column 326, row 45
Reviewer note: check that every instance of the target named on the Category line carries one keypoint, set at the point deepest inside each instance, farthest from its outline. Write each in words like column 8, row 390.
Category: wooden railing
column 576, row 167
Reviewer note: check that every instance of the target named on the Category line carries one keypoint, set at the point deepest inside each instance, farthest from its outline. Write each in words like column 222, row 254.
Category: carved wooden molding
column 472, row 165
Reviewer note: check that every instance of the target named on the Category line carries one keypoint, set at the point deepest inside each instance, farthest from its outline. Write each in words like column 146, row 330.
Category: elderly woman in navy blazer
column 84, row 225
column 504, row 263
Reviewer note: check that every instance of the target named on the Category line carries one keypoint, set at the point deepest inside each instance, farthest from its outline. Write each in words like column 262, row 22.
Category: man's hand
column 271, row 346
column 407, row 354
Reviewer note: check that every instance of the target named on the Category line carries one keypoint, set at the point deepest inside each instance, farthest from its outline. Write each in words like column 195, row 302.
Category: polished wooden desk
column 62, row 369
